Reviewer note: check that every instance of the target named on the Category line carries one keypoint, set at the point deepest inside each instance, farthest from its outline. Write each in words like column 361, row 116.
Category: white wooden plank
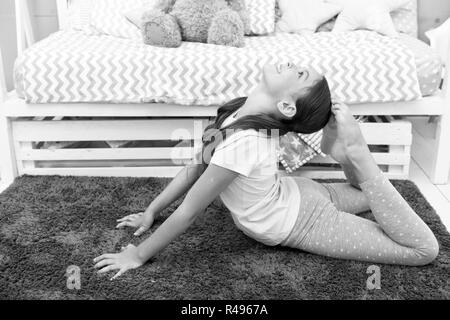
column 327, row 174
column 395, row 168
column 168, row 172
column 16, row 107
column 28, row 28
column 23, row 147
column 398, row 159
column 398, row 133
column 3, row 90
column 8, row 163
column 105, row 154
column 108, row 172
column 20, row 32
column 63, row 14
column 434, row 105
column 100, row 130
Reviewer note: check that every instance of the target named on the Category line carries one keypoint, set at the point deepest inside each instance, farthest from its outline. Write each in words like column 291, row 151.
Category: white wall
column 431, row 13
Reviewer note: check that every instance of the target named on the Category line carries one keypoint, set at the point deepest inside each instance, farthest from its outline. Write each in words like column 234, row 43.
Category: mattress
column 429, row 64
column 69, row 66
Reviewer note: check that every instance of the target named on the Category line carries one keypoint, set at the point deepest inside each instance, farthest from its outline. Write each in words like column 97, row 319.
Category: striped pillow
column 261, row 14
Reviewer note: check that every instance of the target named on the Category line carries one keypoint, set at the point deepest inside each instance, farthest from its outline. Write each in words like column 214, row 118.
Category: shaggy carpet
column 50, row 223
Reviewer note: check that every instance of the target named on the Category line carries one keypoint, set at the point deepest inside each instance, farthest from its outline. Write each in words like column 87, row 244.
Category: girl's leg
column 399, row 237
column 347, row 198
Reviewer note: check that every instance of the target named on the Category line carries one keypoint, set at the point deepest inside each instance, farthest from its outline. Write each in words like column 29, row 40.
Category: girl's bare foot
column 342, row 137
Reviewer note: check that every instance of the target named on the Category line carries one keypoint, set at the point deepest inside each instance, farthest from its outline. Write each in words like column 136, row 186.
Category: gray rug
column 50, row 223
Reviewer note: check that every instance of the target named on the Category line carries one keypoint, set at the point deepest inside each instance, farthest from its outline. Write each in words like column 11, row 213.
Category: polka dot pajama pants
column 328, row 225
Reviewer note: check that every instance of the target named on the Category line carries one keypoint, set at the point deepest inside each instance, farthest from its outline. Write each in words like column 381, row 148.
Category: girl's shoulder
column 248, row 135
column 245, row 139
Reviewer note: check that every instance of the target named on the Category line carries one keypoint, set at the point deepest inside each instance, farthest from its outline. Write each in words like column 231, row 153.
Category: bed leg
column 441, row 164
column 8, row 167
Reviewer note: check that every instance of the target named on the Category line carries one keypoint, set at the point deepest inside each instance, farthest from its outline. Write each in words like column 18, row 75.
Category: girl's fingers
column 123, row 219
column 118, row 274
column 104, row 256
column 125, row 224
column 140, row 231
column 109, row 268
column 130, row 217
column 103, row 263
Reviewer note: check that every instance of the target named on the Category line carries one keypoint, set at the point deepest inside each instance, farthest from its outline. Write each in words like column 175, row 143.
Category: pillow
column 305, row 15
column 327, row 26
column 135, row 15
column 367, row 14
column 298, row 149
column 405, row 19
column 261, row 16
column 108, row 17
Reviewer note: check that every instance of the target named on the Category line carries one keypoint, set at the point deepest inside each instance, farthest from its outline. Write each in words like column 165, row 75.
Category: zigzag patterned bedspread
column 69, row 66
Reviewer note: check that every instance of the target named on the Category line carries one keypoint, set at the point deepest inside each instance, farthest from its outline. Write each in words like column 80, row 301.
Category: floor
column 437, row 196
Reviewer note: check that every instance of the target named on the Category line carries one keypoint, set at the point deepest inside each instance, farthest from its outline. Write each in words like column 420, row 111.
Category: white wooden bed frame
column 22, row 123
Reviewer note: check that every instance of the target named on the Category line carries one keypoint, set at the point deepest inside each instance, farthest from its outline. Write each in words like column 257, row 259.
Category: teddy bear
column 220, row 22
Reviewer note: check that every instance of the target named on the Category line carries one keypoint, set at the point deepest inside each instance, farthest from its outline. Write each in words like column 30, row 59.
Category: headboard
column 403, row 19
column 63, row 13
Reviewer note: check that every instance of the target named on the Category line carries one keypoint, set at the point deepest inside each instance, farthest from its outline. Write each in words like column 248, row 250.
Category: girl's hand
column 143, row 221
column 123, row 261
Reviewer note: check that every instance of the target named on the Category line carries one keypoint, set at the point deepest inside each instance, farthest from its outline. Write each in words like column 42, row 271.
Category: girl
column 286, row 211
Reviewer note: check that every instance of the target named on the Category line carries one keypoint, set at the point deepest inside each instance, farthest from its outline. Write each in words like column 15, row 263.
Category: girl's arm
column 176, row 188
column 212, row 182
column 182, row 182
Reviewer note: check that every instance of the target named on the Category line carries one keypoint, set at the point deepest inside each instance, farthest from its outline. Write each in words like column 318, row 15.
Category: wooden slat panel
column 106, row 154
column 108, row 172
column 380, row 158
column 115, row 130
column 397, row 133
column 170, row 172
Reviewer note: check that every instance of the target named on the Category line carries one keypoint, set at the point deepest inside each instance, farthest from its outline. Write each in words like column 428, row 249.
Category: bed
column 362, row 67
column 72, row 87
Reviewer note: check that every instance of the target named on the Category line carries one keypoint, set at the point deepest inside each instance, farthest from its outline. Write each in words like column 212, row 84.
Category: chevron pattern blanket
column 70, row 66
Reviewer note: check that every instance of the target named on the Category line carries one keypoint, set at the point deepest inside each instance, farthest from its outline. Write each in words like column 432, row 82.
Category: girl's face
column 283, row 81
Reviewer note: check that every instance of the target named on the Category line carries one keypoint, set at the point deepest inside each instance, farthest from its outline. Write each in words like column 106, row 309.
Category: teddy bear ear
column 240, row 7
column 163, row 5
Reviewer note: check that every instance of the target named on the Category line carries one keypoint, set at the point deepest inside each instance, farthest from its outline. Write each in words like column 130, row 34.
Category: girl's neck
column 257, row 102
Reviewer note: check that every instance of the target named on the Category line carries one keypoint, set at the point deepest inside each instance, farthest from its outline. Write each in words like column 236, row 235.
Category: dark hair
column 313, row 113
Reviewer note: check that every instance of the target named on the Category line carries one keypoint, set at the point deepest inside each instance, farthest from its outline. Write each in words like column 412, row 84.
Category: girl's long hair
column 313, row 113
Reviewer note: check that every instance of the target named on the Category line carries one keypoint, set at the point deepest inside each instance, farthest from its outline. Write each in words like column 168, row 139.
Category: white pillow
column 108, row 17
column 305, row 15
column 367, row 14
column 261, row 16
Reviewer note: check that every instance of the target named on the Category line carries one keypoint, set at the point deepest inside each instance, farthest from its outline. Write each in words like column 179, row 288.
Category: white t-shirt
column 263, row 205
